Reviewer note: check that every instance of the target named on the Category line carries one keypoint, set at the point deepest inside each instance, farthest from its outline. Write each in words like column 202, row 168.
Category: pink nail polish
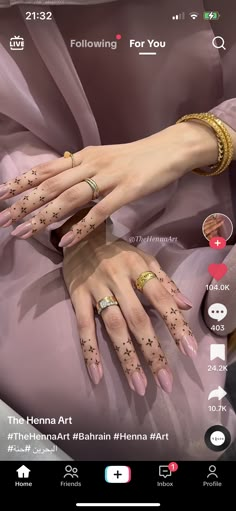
column 138, row 383
column 23, row 230
column 5, row 218
column 183, row 301
column 94, row 373
column 130, row 383
column 165, row 379
column 66, row 239
column 4, row 190
column 188, row 346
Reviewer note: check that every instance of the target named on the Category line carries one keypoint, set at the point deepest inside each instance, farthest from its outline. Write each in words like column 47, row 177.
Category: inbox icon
column 17, row 43
column 164, row 471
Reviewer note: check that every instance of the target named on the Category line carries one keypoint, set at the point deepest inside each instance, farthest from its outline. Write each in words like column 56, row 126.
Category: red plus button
column 217, row 243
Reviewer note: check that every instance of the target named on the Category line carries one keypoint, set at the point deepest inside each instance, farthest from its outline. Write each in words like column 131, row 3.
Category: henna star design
column 149, row 343
column 91, row 349
column 127, row 352
column 23, row 210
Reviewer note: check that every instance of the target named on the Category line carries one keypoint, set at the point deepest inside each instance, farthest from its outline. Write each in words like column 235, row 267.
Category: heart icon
column 217, row 270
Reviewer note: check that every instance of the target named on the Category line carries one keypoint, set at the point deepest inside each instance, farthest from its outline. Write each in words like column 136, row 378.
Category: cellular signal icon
column 194, row 15
column 179, row 17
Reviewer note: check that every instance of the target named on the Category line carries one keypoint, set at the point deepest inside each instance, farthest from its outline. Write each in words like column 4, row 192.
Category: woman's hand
column 94, row 269
column 123, row 174
column 211, row 226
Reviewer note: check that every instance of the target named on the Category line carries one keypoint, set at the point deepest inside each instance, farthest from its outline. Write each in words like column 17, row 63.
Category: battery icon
column 211, row 15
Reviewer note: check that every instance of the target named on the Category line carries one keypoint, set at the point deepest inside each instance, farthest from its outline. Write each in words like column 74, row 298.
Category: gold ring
column 105, row 302
column 67, row 154
column 93, row 185
column 143, row 278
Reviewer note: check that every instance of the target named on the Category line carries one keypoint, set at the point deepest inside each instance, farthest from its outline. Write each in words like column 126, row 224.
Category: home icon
column 23, row 472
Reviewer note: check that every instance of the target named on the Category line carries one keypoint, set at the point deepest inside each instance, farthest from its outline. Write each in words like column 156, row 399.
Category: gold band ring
column 93, row 185
column 67, row 154
column 143, row 278
column 105, row 302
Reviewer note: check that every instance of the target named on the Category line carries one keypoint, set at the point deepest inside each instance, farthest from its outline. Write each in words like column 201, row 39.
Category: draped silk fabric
column 48, row 103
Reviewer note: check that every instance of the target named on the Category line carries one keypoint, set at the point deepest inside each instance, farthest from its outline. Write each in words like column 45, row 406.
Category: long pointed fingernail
column 188, row 346
column 23, row 230
column 4, row 190
column 165, row 380
column 5, row 218
column 183, row 301
column 66, row 239
column 94, row 373
column 138, row 383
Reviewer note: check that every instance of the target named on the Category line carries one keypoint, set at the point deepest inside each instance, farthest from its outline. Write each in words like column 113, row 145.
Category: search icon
column 218, row 42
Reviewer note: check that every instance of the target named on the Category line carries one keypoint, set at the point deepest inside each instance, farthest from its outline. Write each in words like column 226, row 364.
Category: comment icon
column 217, row 311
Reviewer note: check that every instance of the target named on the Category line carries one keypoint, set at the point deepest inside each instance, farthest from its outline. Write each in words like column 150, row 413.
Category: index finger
column 36, row 176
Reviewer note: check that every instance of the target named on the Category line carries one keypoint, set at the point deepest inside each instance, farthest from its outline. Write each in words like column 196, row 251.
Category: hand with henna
column 96, row 268
column 211, row 226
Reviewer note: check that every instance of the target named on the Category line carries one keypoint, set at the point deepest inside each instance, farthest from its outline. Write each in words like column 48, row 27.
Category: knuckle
column 113, row 319
column 138, row 317
column 101, row 211
column 84, row 321
column 49, row 186
column 130, row 363
column 71, row 195
column 88, row 150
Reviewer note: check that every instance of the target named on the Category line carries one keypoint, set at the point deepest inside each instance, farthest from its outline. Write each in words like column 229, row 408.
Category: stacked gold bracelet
column 225, row 144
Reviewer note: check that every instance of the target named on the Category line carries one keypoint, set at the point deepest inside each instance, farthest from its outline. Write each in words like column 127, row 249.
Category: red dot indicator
column 173, row 466
column 118, row 37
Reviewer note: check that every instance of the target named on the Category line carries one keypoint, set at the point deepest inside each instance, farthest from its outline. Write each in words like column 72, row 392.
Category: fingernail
column 94, row 373
column 66, row 239
column 138, row 383
column 183, row 300
column 165, row 379
column 4, row 190
column 5, row 218
column 23, row 229
column 130, row 383
column 188, row 346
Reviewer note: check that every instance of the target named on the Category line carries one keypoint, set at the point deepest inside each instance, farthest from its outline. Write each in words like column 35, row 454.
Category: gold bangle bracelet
column 224, row 140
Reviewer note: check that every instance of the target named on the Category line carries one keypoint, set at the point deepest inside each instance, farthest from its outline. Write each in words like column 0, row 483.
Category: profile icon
column 212, row 472
column 217, row 225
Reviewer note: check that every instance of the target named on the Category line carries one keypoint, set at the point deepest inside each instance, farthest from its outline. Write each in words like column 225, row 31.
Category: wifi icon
column 194, row 15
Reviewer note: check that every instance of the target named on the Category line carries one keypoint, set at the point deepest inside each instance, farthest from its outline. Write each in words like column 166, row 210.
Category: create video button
column 117, row 474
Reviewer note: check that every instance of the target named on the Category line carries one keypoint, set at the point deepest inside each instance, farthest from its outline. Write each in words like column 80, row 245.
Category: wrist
column 200, row 146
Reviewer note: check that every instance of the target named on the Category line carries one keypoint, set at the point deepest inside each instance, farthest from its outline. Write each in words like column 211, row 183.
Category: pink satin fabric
column 47, row 106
